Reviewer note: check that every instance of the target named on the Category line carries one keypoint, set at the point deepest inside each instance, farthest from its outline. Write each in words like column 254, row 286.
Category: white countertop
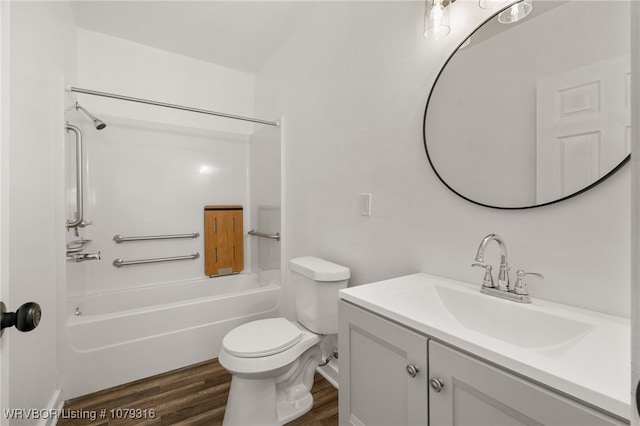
column 595, row 368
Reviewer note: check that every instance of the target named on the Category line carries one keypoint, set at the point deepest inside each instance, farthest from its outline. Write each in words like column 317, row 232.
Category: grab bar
column 78, row 221
column 121, row 239
column 119, row 262
column 275, row 236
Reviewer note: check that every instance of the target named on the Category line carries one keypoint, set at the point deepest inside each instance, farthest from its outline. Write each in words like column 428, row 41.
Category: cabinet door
column 375, row 385
column 475, row 393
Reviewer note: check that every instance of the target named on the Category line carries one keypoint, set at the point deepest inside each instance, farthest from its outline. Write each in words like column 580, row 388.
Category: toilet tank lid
column 319, row 269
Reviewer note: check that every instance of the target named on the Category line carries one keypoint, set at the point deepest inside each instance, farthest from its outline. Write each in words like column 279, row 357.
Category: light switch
column 365, row 204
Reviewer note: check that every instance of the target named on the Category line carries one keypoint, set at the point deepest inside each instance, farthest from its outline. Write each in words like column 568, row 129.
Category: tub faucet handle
column 81, row 257
column 487, row 281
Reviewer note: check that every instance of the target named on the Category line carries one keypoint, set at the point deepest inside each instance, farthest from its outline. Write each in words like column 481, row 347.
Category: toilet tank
column 316, row 283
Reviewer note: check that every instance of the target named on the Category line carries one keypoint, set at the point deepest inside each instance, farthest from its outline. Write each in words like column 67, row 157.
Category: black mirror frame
column 424, row 139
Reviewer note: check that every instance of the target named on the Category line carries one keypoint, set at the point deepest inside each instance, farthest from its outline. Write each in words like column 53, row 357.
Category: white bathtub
column 127, row 335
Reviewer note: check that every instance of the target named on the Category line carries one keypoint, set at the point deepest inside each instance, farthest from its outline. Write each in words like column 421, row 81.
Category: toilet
column 273, row 361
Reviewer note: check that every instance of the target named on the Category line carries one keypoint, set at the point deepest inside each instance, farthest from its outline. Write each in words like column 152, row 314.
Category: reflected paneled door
column 223, row 240
column 583, row 126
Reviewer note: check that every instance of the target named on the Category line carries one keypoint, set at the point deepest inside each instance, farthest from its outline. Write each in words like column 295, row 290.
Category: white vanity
column 426, row 350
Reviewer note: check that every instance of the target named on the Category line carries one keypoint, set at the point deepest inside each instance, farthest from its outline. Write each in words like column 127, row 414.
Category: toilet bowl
column 273, row 361
column 272, row 375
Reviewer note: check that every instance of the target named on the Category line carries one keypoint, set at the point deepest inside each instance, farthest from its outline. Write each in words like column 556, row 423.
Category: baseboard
column 330, row 372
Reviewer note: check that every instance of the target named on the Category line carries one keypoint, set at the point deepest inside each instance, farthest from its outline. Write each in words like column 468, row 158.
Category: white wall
column 110, row 64
column 352, row 83
column 42, row 48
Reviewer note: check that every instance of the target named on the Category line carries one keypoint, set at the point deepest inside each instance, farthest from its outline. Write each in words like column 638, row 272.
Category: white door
column 4, row 361
column 583, row 126
column 635, row 223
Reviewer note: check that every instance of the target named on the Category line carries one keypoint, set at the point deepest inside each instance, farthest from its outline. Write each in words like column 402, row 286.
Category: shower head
column 99, row 124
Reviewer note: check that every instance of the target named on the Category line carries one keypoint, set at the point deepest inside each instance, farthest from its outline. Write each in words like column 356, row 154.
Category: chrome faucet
column 503, row 273
column 503, row 288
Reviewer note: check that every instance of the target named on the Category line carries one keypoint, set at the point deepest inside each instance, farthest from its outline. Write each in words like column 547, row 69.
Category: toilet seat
column 258, row 366
column 261, row 338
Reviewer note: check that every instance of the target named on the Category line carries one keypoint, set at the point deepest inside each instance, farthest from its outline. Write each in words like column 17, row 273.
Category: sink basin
column 514, row 323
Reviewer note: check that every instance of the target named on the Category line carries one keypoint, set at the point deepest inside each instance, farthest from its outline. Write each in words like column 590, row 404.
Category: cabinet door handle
column 436, row 384
column 412, row 370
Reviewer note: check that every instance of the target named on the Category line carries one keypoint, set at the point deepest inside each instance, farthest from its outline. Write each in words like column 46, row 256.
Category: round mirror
column 534, row 112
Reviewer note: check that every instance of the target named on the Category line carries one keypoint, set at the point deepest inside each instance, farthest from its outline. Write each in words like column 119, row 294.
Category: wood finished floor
column 193, row 395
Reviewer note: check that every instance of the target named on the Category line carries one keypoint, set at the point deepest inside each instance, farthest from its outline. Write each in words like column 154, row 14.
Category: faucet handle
column 487, row 281
column 521, row 287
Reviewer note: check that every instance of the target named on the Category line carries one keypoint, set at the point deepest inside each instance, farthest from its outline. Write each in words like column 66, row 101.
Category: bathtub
column 128, row 335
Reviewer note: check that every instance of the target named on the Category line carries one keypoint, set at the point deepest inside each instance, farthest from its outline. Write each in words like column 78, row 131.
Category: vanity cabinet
column 383, row 371
column 391, row 375
column 474, row 392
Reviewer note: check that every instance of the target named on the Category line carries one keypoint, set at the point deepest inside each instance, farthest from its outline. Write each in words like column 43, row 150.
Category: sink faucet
column 502, row 288
column 503, row 273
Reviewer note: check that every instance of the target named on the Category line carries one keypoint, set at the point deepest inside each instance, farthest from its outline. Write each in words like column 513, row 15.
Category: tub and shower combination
column 145, row 178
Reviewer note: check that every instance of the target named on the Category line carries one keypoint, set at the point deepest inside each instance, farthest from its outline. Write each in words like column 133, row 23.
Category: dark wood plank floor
column 193, row 395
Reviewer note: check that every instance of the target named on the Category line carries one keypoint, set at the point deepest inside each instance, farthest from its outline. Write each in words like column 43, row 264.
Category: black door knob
column 25, row 318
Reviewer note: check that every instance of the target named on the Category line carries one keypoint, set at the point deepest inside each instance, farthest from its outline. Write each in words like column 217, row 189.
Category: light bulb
column 491, row 4
column 515, row 13
column 436, row 23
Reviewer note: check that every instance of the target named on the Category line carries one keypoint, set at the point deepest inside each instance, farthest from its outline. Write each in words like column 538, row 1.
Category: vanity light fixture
column 516, row 12
column 491, row 4
column 436, row 19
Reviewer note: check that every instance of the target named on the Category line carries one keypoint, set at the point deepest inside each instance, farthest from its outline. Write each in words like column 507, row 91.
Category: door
column 4, row 355
column 583, row 126
column 635, row 216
